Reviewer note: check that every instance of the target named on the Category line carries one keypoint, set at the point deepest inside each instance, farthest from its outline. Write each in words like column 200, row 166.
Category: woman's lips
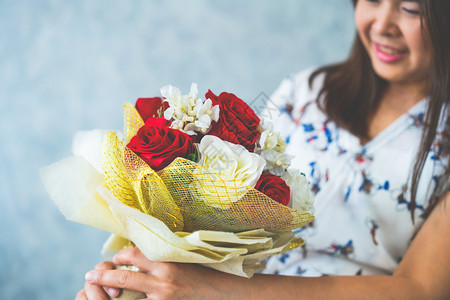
column 389, row 54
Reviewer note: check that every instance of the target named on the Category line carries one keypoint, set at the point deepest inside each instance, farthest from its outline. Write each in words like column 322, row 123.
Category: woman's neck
column 400, row 98
column 397, row 100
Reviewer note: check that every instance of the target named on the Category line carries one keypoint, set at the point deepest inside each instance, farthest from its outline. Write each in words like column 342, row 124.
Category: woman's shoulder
column 294, row 101
column 295, row 90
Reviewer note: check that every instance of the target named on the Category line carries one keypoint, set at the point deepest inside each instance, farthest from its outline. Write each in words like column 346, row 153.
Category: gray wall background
column 70, row 65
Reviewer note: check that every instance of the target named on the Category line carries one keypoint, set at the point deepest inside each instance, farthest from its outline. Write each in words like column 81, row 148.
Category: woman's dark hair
column 352, row 91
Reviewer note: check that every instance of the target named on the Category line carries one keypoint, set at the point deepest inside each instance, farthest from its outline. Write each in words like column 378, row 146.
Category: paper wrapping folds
column 72, row 184
column 78, row 190
column 183, row 213
column 88, row 143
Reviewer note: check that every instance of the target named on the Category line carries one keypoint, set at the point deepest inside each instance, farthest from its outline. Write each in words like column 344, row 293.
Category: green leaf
column 192, row 157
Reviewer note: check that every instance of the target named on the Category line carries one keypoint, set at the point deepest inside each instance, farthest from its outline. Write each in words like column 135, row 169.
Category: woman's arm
column 424, row 273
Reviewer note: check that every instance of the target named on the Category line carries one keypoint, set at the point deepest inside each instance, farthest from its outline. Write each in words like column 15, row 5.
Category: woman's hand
column 422, row 274
column 158, row 280
column 92, row 291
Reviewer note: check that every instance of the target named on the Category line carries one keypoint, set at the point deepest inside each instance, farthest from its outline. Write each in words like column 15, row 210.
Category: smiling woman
column 390, row 82
column 373, row 133
column 395, row 40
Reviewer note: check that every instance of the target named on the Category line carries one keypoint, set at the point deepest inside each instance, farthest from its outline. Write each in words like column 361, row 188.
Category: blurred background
column 70, row 65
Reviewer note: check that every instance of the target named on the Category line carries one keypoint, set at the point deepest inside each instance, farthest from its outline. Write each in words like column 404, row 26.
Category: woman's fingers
column 131, row 280
column 93, row 291
column 105, row 265
column 133, row 256
column 108, row 265
column 81, row 295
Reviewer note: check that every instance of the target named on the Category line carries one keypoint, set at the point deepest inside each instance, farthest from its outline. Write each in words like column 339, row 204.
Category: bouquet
column 189, row 180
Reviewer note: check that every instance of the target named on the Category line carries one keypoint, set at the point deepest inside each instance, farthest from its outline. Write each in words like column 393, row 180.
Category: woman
column 372, row 131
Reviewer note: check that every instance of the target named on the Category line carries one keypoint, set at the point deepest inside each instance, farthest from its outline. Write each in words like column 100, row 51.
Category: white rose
column 230, row 170
column 231, row 159
column 301, row 196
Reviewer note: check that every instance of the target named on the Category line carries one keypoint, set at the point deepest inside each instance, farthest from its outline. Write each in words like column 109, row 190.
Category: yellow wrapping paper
column 187, row 196
column 183, row 213
column 78, row 190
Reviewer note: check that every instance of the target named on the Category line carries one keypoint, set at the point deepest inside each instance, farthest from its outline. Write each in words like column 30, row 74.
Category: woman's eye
column 411, row 11
column 411, row 8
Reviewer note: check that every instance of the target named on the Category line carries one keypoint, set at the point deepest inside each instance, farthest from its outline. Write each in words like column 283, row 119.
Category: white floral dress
column 363, row 223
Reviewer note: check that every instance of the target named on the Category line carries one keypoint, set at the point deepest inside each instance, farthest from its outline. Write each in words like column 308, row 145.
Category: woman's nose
column 386, row 22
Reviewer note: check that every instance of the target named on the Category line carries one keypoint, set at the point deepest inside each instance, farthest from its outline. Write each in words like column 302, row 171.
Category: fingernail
column 113, row 292
column 90, row 276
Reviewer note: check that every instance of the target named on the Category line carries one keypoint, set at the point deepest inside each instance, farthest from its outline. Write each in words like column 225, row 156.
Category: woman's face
column 392, row 35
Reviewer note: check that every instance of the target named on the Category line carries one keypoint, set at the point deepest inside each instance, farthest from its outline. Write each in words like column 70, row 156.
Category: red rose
column 158, row 145
column 274, row 187
column 150, row 107
column 237, row 122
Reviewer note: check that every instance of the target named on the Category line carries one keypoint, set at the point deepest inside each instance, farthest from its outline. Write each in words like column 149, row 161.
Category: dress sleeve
column 282, row 107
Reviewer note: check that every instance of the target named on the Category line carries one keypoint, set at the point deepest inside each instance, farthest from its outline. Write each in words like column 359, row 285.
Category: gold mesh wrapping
column 213, row 201
column 186, row 196
column 133, row 122
column 135, row 184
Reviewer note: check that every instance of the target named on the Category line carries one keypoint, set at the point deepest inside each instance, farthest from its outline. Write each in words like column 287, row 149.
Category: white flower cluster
column 301, row 196
column 189, row 113
column 241, row 165
column 271, row 147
